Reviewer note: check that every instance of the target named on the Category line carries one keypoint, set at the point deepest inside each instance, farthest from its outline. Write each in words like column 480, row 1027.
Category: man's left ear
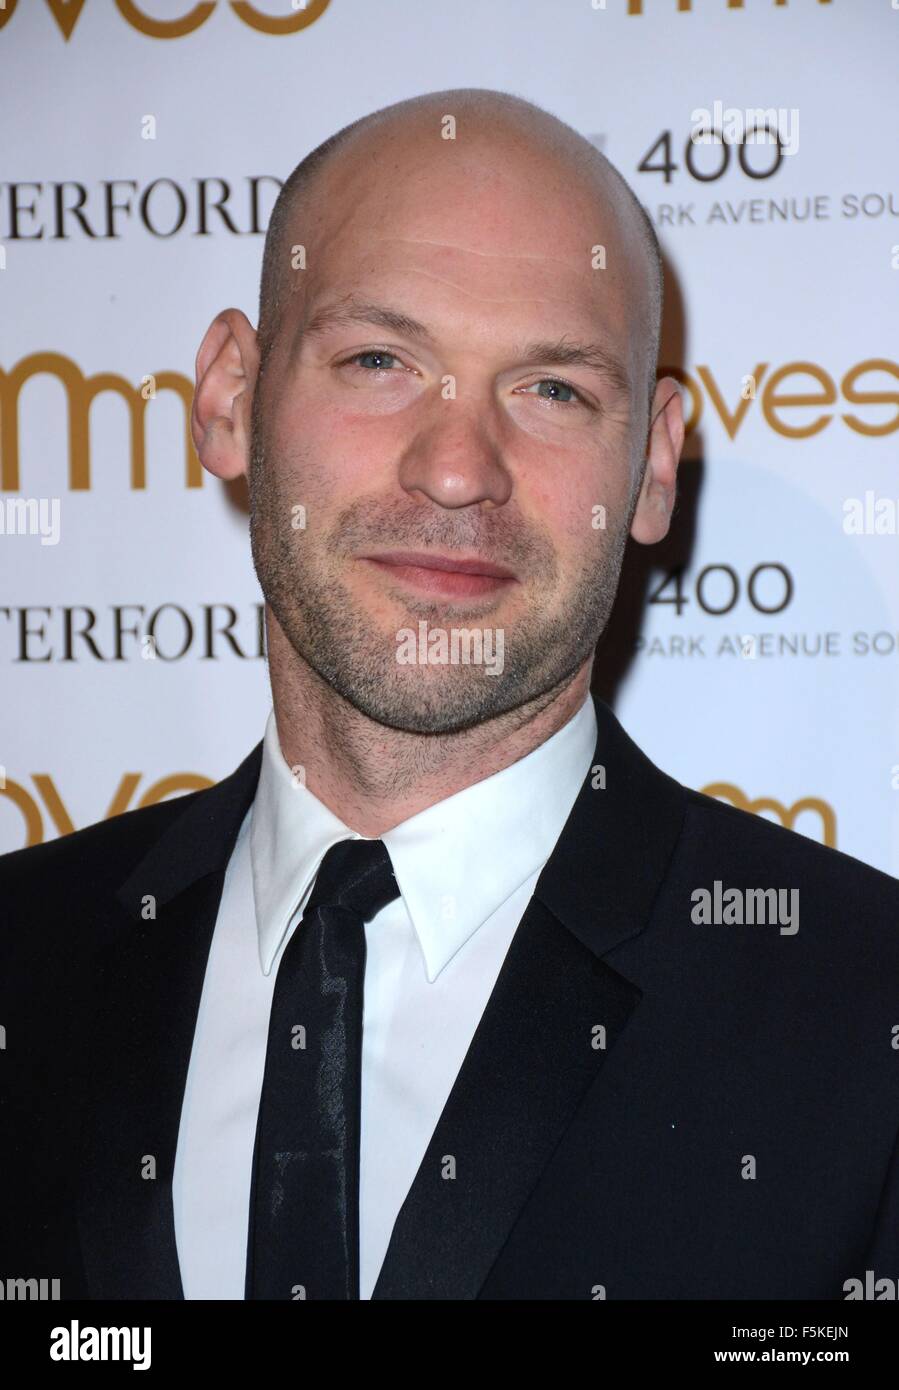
column 658, row 490
column 226, row 370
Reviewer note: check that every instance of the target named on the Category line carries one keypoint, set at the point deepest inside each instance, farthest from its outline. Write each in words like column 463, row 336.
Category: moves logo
column 726, row 791
column 174, row 785
column 773, row 396
column 81, row 392
column 178, row 783
column 67, row 13
column 686, row 6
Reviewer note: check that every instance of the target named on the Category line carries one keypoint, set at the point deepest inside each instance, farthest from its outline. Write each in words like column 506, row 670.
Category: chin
column 430, row 709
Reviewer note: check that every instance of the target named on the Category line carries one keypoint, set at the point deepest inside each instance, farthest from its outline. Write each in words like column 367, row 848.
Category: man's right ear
column 226, row 369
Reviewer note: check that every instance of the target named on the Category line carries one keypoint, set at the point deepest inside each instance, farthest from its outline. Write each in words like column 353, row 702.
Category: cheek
column 336, row 451
column 577, row 506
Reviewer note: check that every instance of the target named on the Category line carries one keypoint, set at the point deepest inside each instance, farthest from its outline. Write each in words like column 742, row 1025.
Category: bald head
column 497, row 125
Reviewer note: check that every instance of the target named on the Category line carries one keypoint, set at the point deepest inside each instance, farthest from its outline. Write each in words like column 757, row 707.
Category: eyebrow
column 557, row 352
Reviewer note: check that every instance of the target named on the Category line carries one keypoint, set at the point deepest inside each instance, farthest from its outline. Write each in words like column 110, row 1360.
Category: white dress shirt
column 466, row 868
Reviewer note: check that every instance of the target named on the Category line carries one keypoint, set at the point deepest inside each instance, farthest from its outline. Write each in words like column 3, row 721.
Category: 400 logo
column 717, row 589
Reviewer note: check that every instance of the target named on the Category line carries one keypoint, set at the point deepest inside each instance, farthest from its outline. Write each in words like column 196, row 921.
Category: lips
column 449, row 564
column 449, row 576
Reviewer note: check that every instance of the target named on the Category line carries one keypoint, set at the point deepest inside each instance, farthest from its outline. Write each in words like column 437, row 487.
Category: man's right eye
column 380, row 359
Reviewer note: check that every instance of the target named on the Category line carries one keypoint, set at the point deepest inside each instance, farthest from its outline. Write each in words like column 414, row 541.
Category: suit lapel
column 529, row 1064
column 143, row 1010
column 533, row 1055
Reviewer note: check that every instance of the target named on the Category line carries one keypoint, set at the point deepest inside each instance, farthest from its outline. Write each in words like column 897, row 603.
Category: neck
column 373, row 777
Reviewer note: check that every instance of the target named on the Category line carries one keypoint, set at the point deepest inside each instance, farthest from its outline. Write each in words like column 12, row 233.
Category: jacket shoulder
column 103, row 853
column 734, row 836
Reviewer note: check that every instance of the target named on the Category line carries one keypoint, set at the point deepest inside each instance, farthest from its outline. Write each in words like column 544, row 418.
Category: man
column 447, row 991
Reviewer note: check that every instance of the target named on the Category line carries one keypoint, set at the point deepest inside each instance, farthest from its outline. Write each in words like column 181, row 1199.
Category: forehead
column 493, row 241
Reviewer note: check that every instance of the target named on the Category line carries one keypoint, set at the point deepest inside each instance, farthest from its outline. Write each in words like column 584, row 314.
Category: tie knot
column 356, row 875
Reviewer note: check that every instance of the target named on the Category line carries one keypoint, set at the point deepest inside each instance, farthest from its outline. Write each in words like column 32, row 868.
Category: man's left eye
column 555, row 388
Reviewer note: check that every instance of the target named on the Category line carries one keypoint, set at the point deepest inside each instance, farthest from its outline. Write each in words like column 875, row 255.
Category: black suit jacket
column 734, row 1137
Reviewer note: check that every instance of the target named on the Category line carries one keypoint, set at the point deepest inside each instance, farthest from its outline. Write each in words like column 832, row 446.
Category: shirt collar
column 501, row 829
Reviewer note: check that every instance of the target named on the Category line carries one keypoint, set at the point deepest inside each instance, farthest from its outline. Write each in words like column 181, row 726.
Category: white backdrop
column 115, row 259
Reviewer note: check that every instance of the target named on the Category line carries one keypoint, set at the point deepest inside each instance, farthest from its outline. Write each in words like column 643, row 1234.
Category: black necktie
column 304, row 1205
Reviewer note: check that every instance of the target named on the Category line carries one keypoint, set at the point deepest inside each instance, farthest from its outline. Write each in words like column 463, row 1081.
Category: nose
column 453, row 460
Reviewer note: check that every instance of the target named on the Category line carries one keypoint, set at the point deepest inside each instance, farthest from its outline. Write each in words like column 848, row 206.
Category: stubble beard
column 331, row 631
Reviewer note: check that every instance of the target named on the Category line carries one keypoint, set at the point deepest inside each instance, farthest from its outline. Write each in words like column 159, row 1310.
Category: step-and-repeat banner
column 754, row 654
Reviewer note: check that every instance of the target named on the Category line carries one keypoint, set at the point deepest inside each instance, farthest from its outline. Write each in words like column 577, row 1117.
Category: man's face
column 372, row 440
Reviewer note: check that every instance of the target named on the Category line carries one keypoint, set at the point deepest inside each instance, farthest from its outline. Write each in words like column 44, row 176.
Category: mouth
column 454, row 576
